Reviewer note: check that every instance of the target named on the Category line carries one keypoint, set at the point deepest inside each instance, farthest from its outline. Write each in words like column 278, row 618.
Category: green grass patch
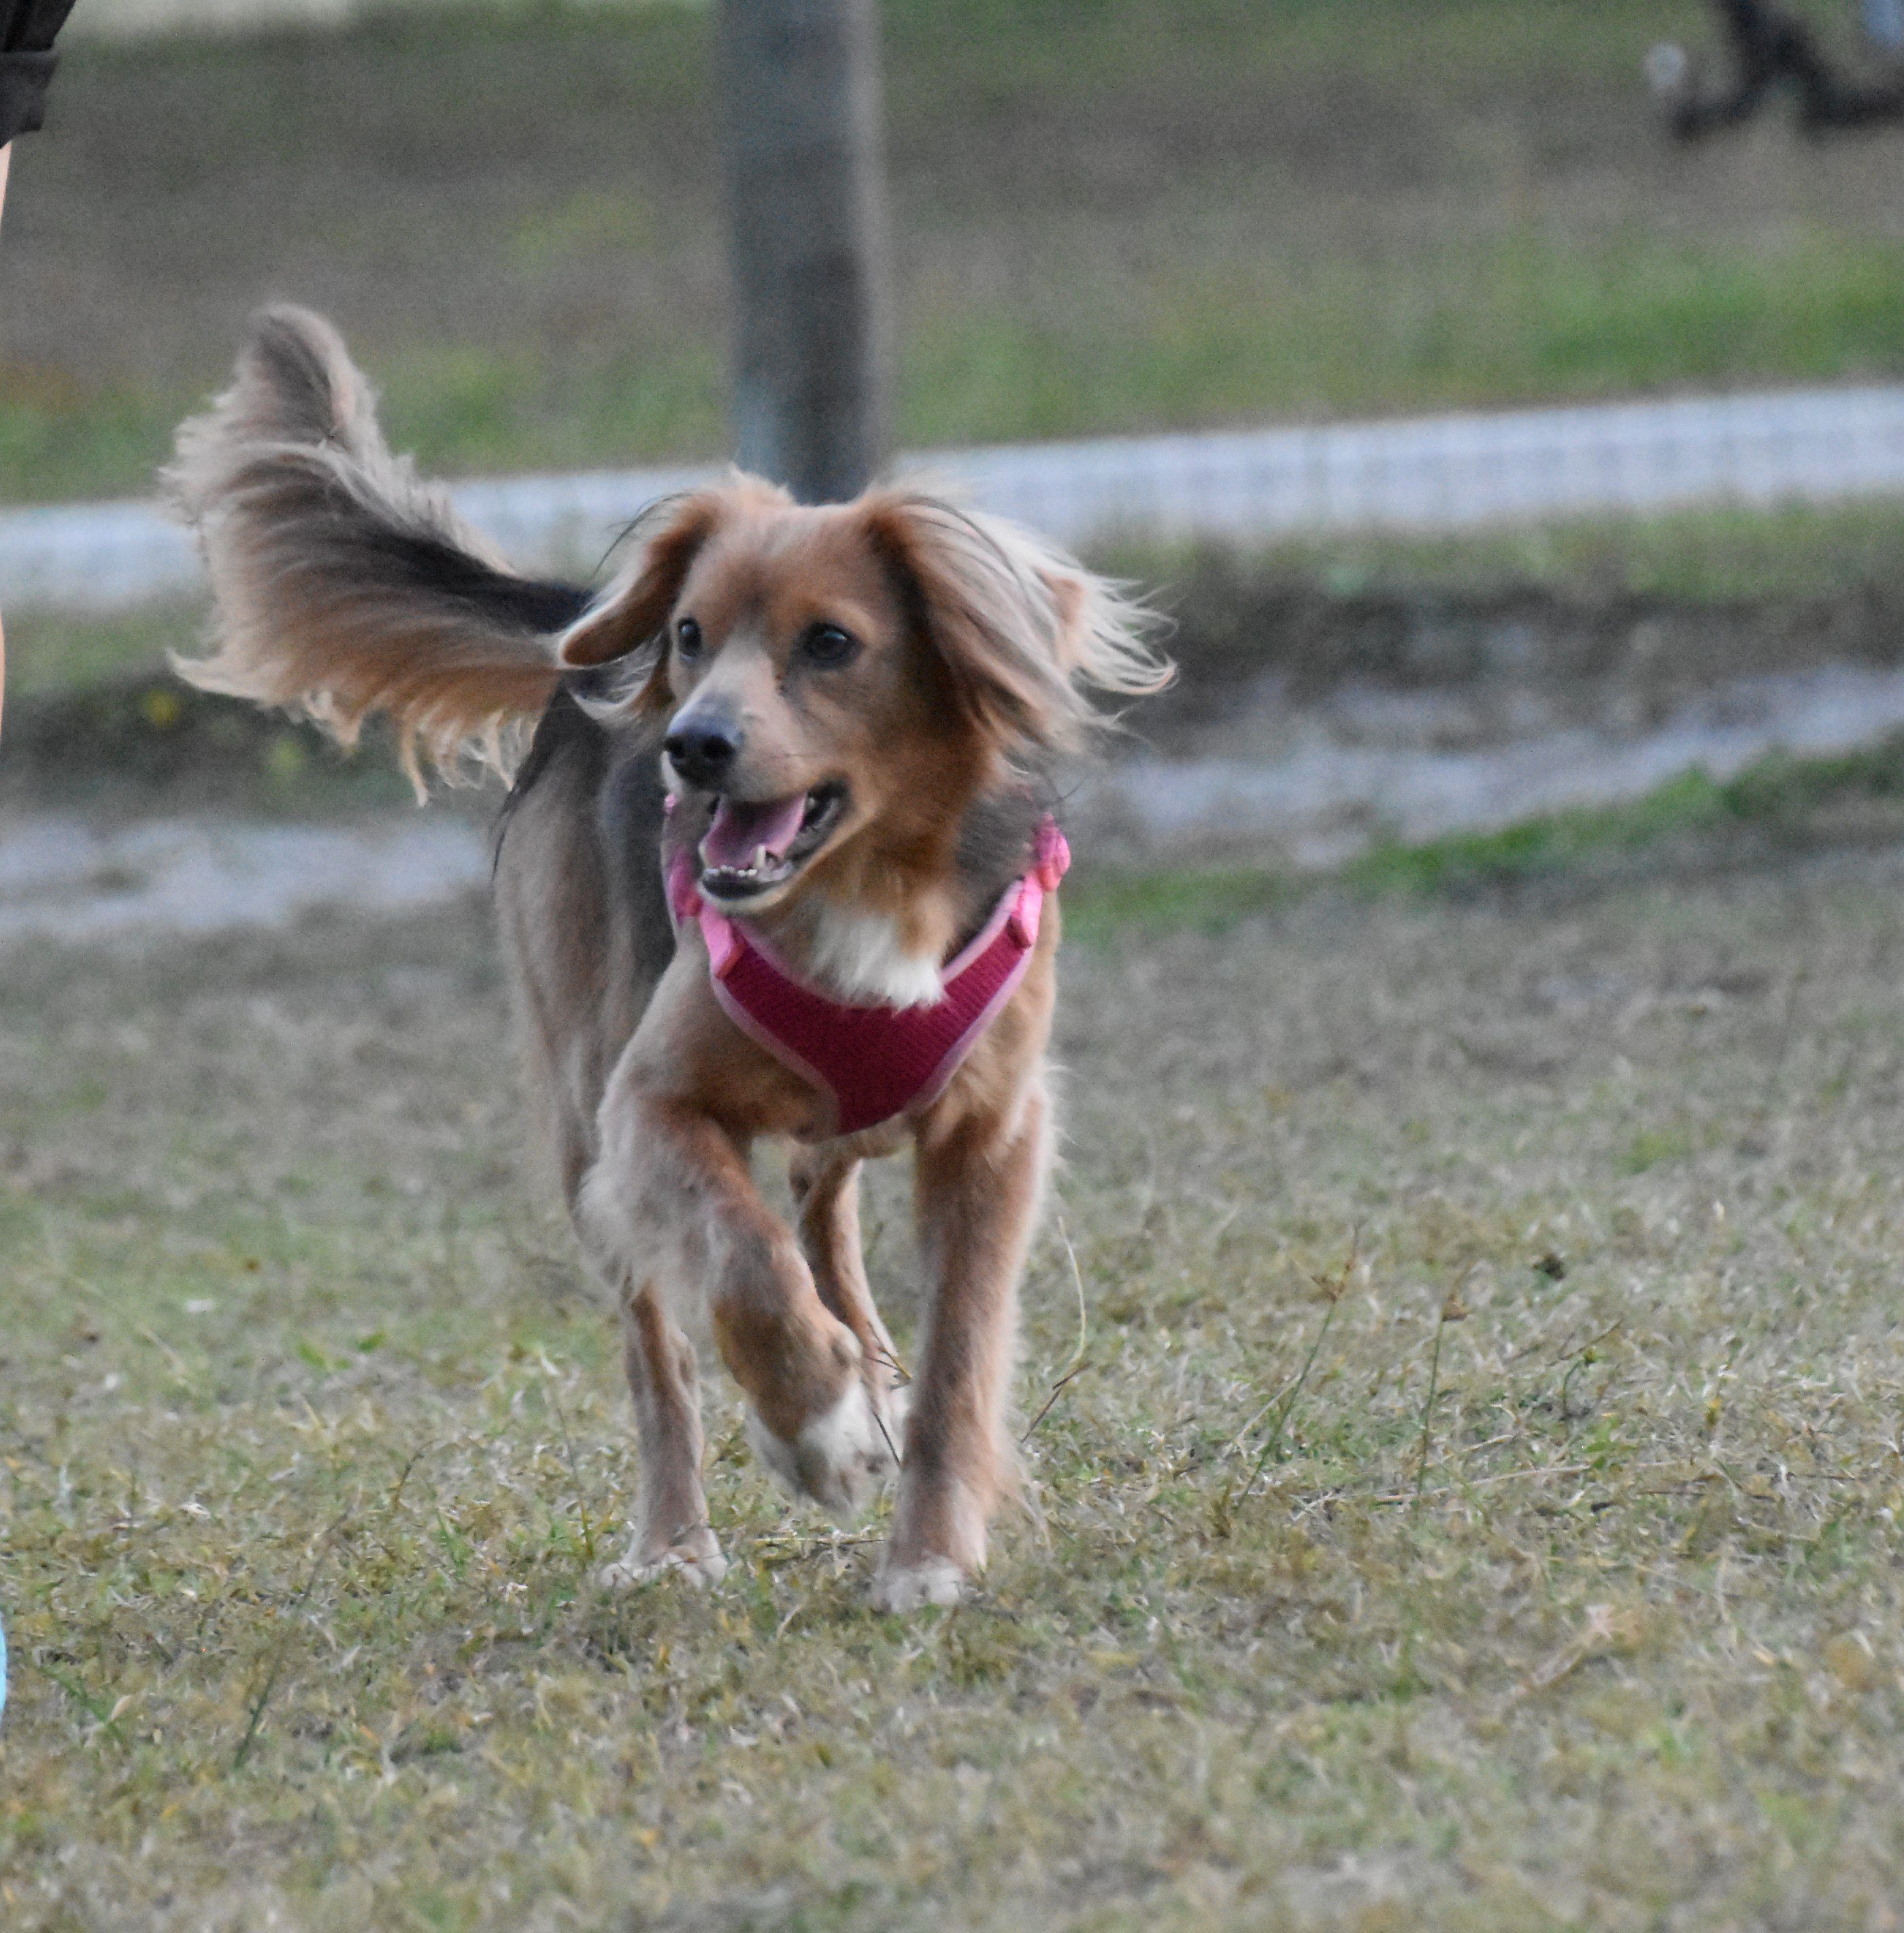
column 1120, row 216
column 1102, row 903
column 1837, row 554
column 1524, row 322
column 467, row 411
column 50, row 653
column 1540, row 847
column 1778, row 796
column 1651, row 1146
column 1778, row 805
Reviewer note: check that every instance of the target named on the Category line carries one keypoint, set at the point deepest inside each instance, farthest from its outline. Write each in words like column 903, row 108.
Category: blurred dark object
column 1771, row 50
column 27, row 60
column 806, row 219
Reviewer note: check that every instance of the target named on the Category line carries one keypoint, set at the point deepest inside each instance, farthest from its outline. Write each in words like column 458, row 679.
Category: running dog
column 776, row 863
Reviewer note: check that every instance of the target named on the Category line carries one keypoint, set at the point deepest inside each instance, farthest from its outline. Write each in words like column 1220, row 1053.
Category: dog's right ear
column 631, row 616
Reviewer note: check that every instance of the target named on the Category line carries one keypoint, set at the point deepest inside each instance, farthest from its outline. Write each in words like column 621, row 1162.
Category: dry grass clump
column 310, row 1432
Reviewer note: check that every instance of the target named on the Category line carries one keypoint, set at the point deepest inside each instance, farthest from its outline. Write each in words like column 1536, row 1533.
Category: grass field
column 1115, row 215
column 1474, row 1506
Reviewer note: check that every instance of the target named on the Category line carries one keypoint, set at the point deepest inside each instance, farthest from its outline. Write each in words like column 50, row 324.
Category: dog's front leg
column 826, row 1192
column 671, row 1530
column 672, row 1188
column 978, row 1191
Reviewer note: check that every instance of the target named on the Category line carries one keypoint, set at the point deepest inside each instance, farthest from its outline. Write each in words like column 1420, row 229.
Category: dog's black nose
column 703, row 751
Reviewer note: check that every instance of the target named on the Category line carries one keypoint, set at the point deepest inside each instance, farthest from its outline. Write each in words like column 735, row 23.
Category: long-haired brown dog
column 849, row 706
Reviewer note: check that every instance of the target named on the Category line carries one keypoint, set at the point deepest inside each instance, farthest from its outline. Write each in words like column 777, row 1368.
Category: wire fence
column 1448, row 473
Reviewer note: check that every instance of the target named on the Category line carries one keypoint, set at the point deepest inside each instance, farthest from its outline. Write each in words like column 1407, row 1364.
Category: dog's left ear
column 629, row 619
column 1027, row 634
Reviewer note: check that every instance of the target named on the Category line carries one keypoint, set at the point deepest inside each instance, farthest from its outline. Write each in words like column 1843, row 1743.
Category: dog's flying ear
column 631, row 616
column 1026, row 632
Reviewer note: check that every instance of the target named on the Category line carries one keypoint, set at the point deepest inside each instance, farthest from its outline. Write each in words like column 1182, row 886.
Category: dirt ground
column 1474, row 1506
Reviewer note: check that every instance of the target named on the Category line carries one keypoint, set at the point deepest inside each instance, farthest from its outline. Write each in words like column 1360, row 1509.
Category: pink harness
column 879, row 1061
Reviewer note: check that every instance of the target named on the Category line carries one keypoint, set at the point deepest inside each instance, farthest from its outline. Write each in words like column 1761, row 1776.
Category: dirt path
column 1323, row 783
column 1368, row 765
column 64, row 878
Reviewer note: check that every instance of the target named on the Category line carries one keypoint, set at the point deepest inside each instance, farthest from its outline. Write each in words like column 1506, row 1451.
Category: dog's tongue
column 740, row 828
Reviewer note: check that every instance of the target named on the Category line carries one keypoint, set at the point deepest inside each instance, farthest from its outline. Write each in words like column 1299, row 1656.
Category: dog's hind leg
column 671, row 1530
column 978, row 1192
column 826, row 1192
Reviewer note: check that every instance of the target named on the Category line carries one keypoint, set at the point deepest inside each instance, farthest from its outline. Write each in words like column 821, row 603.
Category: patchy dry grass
column 309, row 1430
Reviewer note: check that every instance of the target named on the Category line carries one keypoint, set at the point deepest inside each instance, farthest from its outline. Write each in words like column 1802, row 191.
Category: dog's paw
column 901, row 1588
column 698, row 1563
column 837, row 1460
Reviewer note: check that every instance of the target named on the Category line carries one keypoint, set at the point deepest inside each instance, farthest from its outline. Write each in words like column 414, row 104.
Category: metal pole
column 806, row 212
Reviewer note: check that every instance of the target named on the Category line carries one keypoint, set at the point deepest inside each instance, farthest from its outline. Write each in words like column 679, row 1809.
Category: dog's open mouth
column 754, row 845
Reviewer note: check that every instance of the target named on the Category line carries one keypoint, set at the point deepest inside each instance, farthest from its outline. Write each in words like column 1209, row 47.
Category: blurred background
column 1110, row 216
column 1566, row 413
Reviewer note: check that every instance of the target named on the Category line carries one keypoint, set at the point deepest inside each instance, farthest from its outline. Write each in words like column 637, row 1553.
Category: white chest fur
column 858, row 955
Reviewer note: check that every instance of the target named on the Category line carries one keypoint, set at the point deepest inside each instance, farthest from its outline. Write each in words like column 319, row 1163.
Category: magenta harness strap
column 876, row 1062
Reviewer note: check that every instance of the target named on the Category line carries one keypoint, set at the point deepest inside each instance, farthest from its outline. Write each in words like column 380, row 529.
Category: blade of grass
column 1076, row 1365
column 276, row 1669
column 1453, row 1309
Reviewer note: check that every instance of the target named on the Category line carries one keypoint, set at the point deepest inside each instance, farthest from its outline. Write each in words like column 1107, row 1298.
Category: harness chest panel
column 876, row 1062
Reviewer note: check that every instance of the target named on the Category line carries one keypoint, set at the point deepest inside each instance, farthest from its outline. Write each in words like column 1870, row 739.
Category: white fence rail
column 153, row 19
column 1438, row 473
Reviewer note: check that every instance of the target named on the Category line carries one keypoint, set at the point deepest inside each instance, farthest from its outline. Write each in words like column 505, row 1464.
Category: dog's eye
column 687, row 639
column 828, row 644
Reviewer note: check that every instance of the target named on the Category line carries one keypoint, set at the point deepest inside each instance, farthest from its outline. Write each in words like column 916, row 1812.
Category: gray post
column 807, row 214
